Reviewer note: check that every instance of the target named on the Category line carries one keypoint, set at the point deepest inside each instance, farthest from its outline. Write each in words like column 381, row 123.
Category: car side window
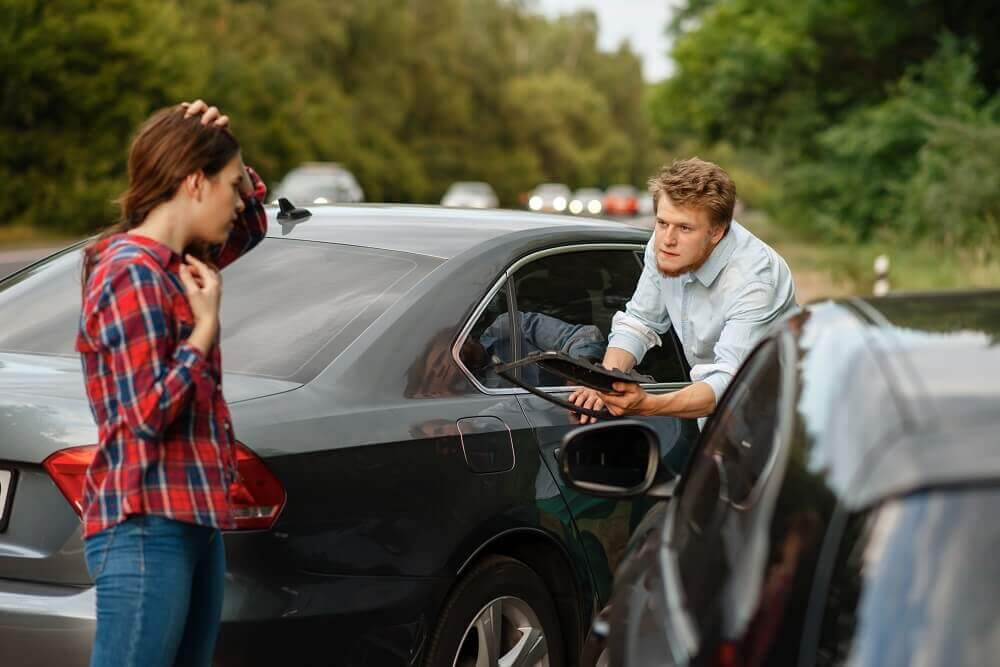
column 567, row 301
column 744, row 428
column 719, row 475
column 489, row 339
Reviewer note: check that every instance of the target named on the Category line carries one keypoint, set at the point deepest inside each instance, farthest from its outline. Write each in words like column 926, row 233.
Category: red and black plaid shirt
column 166, row 441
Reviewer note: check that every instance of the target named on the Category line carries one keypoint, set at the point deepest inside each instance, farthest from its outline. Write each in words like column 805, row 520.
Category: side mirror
column 618, row 459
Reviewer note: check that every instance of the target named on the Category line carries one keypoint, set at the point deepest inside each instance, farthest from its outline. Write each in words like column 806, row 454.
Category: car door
column 564, row 299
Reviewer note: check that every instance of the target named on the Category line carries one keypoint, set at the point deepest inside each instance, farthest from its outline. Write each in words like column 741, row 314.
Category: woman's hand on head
column 209, row 115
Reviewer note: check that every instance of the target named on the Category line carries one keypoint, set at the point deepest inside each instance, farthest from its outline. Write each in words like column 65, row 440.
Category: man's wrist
column 649, row 405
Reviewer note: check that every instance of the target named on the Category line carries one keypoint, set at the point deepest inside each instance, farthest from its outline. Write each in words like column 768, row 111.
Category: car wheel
column 499, row 614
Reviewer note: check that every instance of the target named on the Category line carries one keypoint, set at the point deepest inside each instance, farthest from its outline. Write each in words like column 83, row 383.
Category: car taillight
column 68, row 468
column 256, row 498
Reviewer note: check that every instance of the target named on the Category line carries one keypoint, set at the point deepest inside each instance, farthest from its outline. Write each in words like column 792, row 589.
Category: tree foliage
column 881, row 116
column 408, row 94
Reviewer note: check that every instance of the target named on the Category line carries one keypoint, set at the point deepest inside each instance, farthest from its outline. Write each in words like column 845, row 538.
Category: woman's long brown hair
column 167, row 148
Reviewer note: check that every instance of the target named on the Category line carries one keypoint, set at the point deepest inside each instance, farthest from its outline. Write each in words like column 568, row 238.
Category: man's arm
column 747, row 319
column 695, row 400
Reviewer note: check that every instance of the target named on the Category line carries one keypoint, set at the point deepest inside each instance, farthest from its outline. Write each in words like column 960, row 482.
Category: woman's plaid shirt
column 166, row 441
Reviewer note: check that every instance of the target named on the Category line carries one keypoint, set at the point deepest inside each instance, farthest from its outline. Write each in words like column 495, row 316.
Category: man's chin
column 672, row 271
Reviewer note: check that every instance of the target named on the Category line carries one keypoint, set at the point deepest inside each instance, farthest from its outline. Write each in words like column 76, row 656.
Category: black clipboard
column 576, row 371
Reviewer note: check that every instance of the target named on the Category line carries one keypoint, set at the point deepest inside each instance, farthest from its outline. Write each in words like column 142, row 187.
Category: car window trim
column 653, row 387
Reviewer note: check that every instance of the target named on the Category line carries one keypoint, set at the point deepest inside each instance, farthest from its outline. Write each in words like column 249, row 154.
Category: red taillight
column 256, row 498
column 67, row 468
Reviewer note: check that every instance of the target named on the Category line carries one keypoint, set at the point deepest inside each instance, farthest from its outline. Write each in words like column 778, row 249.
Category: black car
column 839, row 509
column 407, row 508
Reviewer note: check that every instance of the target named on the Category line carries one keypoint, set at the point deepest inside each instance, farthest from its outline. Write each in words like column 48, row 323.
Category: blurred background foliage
column 861, row 120
column 410, row 95
column 849, row 124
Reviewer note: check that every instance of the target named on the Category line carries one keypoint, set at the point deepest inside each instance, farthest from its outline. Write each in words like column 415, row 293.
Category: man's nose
column 240, row 206
column 670, row 236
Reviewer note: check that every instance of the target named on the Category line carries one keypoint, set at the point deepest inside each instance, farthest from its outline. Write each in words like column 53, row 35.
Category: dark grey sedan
column 840, row 508
column 405, row 507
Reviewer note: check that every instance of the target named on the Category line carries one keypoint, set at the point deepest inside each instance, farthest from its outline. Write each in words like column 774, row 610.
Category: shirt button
column 218, row 387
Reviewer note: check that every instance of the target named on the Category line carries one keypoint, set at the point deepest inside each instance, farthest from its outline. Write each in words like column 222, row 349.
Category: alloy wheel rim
column 505, row 633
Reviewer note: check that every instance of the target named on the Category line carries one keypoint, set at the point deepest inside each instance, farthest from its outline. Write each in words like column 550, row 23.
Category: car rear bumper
column 305, row 619
column 42, row 624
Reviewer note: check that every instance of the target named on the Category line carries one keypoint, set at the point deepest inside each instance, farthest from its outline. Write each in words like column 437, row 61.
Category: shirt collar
column 161, row 252
column 709, row 271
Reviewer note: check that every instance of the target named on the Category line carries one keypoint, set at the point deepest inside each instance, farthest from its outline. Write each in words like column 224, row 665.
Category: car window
column 717, row 473
column 567, row 301
column 289, row 307
column 744, row 429
column 489, row 341
column 916, row 581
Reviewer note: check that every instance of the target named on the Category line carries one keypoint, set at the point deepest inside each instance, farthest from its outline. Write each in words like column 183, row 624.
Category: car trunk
column 43, row 409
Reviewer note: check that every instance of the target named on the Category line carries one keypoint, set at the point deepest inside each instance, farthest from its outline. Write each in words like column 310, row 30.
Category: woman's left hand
column 209, row 115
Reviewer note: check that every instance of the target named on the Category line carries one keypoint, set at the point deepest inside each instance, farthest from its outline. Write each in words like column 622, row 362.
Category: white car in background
column 470, row 194
column 320, row 183
column 587, row 201
column 549, row 197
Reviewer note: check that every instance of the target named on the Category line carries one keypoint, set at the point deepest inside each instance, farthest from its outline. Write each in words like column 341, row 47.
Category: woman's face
column 220, row 204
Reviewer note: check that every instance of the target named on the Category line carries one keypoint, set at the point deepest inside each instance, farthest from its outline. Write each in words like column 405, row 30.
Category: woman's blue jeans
column 159, row 592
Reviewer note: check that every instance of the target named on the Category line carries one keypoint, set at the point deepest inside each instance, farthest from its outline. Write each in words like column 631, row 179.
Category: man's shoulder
column 754, row 256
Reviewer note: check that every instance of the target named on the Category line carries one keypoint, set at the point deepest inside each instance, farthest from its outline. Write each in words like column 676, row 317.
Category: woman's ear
column 194, row 184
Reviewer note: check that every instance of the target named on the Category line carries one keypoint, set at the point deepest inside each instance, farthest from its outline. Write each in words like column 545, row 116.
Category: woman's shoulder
column 119, row 260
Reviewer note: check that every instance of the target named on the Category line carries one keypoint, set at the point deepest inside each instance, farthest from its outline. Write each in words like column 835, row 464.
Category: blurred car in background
column 549, row 197
column 588, row 201
column 621, row 200
column 320, row 183
column 470, row 194
column 646, row 205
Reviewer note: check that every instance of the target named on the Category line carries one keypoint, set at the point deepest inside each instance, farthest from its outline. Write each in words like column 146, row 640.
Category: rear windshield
column 288, row 307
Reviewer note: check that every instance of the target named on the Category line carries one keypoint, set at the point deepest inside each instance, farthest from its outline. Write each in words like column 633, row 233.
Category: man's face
column 683, row 238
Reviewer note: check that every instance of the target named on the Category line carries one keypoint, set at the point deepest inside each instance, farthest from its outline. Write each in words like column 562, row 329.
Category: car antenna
column 290, row 215
column 290, row 212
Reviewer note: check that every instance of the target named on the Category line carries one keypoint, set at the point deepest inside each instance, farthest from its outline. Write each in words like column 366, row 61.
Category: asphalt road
column 12, row 260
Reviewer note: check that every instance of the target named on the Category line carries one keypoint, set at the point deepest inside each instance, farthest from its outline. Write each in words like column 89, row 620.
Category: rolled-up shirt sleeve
column 638, row 328
column 749, row 316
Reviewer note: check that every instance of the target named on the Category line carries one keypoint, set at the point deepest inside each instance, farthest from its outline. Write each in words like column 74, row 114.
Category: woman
column 157, row 493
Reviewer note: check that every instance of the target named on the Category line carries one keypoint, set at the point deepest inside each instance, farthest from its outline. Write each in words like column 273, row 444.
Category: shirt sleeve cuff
column 631, row 336
column 197, row 365
column 259, row 188
column 717, row 380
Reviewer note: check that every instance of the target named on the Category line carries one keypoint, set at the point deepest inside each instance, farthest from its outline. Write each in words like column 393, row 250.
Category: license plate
column 6, row 495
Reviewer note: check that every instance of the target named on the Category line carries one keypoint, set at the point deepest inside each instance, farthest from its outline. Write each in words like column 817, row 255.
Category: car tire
column 501, row 608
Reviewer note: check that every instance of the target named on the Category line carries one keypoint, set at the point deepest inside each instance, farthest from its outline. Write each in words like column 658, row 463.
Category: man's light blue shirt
column 719, row 311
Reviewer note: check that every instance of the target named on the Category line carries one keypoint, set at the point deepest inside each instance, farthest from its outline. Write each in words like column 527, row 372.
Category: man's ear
column 716, row 232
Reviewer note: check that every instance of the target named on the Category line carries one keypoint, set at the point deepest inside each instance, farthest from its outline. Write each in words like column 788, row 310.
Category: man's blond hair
column 695, row 183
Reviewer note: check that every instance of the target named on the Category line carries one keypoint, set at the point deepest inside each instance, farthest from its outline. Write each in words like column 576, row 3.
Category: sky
column 642, row 22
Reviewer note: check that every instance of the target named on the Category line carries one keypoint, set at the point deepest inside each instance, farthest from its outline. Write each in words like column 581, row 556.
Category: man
column 717, row 284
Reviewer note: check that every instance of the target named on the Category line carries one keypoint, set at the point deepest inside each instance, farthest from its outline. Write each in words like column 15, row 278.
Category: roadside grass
column 13, row 237
column 824, row 269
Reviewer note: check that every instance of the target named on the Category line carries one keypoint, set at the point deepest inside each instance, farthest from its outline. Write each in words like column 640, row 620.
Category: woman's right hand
column 203, row 288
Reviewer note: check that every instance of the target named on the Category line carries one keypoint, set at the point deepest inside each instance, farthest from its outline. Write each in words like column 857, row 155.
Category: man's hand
column 586, row 398
column 630, row 400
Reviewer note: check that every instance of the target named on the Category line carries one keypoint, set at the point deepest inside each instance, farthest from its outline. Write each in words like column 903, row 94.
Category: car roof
column 913, row 385
column 434, row 231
